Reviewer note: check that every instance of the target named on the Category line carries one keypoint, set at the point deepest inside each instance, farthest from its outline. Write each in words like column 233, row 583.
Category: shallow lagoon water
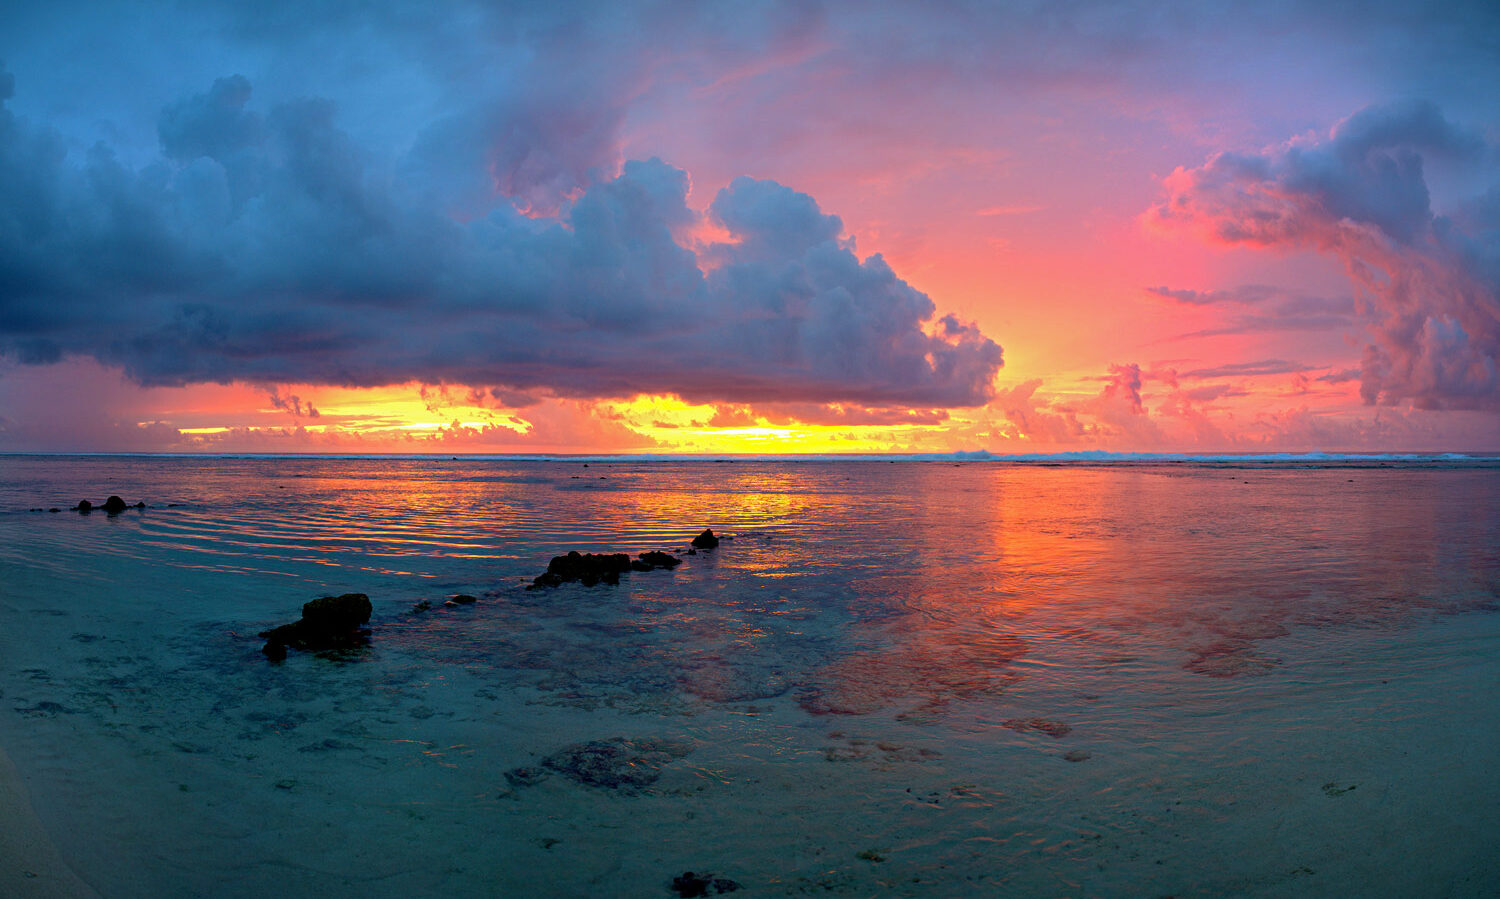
column 922, row 678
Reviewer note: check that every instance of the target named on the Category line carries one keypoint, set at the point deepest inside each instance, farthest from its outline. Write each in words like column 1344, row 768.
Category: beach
column 932, row 678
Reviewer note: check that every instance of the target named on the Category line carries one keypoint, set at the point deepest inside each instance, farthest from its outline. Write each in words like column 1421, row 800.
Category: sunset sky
column 750, row 227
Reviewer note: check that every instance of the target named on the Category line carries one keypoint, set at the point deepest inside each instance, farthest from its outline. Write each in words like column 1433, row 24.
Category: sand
column 30, row 865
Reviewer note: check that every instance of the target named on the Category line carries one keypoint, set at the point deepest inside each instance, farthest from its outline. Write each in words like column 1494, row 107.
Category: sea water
column 1135, row 677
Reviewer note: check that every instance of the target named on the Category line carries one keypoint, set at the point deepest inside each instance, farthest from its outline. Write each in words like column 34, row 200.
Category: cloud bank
column 1430, row 281
column 270, row 246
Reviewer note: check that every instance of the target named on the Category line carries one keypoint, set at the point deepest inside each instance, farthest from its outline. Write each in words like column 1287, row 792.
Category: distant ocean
column 970, row 675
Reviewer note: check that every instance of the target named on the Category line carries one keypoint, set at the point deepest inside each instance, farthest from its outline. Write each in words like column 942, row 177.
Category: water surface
column 921, row 678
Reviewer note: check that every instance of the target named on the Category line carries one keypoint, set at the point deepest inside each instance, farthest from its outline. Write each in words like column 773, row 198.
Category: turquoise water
column 923, row 678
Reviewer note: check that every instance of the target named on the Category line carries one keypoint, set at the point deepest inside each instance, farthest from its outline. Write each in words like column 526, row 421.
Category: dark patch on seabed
column 626, row 765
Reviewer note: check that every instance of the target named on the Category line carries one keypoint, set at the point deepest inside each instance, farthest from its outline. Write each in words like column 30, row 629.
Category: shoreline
column 31, row 867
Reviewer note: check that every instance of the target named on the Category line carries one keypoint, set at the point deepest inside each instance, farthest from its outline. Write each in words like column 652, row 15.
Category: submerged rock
column 615, row 764
column 329, row 622
column 706, row 540
column 1231, row 658
column 462, row 599
column 114, row 505
column 687, row 884
column 526, row 776
column 1054, row 729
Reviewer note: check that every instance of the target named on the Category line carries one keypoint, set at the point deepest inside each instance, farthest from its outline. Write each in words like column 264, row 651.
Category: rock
column 659, row 559
column 141, row 504
column 84, row 507
column 525, row 776
column 114, row 505
column 421, row 606
column 337, row 614
column 54, row 509
column 616, row 764
column 276, row 652
column 463, row 599
column 1054, row 729
column 329, row 622
column 706, row 540
column 1077, row 755
column 591, row 568
column 688, row 884
column 692, row 551
column 586, row 568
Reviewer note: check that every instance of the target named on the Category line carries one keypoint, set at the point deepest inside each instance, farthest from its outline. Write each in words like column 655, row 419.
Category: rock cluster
column 592, row 568
column 113, row 506
column 330, row 622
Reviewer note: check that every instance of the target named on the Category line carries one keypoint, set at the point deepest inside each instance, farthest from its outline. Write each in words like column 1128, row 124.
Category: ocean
column 961, row 676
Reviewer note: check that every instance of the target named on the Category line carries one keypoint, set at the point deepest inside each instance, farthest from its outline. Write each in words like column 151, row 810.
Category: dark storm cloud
column 1430, row 281
column 268, row 246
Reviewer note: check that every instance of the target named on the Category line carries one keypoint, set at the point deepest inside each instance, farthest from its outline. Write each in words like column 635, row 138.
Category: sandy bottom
column 30, row 865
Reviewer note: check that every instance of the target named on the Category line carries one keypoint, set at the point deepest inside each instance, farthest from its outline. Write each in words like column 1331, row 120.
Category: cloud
column 1247, row 369
column 293, row 405
column 1270, row 309
column 1430, row 281
column 272, row 247
column 1246, row 294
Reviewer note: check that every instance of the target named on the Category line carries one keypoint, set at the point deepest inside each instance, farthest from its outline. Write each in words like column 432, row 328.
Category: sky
column 459, row 227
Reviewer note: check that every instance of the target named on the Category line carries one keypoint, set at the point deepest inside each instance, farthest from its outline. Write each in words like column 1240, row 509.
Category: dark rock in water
column 659, row 559
column 421, row 606
column 1054, row 729
column 706, row 540
column 276, row 652
column 141, row 504
column 586, row 568
column 54, row 509
column 84, row 506
column 337, row 614
column 591, row 568
column 617, row 764
column 687, row 884
column 692, row 551
column 114, row 505
column 329, row 622
column 463, row 599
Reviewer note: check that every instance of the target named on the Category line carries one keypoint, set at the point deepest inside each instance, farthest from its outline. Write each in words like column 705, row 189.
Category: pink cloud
column 1430, row 283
